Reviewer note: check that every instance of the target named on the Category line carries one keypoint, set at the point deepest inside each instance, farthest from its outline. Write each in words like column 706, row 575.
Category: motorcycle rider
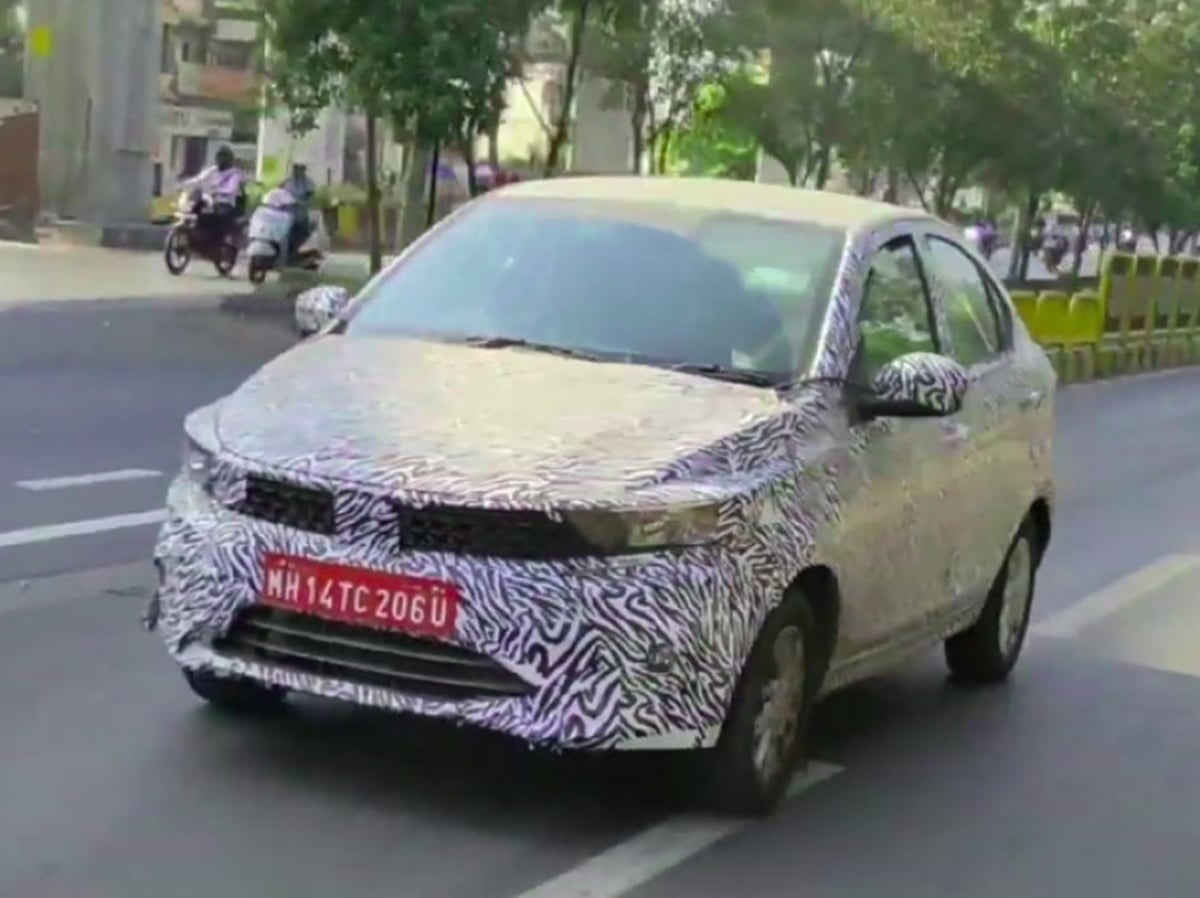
column 302, row 189
column 225, row 183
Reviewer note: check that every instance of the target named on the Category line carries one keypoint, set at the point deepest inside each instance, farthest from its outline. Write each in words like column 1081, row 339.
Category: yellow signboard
column 41, row 41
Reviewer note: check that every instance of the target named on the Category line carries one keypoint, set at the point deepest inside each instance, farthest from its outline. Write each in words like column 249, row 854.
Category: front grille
column 367, row 656
column 300, row 507
column 494, row 533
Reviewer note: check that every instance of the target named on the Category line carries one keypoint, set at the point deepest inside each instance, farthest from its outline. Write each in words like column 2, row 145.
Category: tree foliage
column 432, row 67
column 1091, row 102
column 12, row 49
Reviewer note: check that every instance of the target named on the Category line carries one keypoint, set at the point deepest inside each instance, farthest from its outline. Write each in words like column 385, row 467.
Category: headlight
column 639, row 531
column 197, row 464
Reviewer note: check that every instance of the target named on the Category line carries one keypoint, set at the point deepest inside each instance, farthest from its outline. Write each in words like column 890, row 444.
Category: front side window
column 895, row 318
column 971, row 314
column 643, row 282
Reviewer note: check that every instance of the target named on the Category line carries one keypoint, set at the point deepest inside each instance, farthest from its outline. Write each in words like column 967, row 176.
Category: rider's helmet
column 224, row 158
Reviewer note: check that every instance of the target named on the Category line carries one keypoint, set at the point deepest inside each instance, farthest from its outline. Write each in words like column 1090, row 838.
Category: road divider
column 50, row 532
column 1143, row 316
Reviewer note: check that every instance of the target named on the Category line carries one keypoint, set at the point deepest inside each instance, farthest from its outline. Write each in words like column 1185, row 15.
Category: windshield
column 642, row 282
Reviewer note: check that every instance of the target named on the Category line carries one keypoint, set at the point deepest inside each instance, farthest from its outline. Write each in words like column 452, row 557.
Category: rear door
column 992, row 478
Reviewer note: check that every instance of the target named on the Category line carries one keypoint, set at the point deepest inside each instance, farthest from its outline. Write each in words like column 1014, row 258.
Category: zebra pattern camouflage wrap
column 634, row 651
column 317, row 306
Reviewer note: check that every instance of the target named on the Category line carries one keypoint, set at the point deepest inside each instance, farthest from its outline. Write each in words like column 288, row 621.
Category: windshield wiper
column 733, row 375
column 518, row 343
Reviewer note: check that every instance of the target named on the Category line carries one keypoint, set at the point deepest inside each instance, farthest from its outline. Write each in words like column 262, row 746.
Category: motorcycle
column 1054, row 251
column 186, row 238
column 1127, row 241
column 983, row 238
column 269, row 238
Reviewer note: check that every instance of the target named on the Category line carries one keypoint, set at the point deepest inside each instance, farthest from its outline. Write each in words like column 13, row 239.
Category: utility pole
column 95, row 82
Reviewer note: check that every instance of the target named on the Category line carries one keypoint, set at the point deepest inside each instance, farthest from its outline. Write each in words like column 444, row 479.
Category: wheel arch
column 1039, row 515
column 819, row 585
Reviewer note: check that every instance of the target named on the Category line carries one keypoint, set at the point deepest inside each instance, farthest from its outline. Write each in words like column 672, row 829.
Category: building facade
column 209, row 87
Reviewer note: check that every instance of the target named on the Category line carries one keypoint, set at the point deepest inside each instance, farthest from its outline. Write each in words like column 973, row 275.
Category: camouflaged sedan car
column 624, row 463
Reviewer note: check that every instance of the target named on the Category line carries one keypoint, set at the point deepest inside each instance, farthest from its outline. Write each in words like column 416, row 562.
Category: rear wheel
column 226, row 257
column 988, row 650
column 177, row 253
column 236, row 694
column 763, row 737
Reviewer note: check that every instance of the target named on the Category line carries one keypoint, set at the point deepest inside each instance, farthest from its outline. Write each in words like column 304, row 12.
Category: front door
column 993, row 479
column 895, row 522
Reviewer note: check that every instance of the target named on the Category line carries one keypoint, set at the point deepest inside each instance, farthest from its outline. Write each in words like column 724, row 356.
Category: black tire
column 235, row 694
column 226, row 258
column 730, row 778
column 257, row 270
column 177, row 252
column 986, row 652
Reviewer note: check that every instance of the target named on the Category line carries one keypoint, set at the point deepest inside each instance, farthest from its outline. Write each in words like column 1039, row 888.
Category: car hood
column 486, row 425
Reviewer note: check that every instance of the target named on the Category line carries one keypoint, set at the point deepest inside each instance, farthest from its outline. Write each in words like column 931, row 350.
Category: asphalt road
column 1077, row 779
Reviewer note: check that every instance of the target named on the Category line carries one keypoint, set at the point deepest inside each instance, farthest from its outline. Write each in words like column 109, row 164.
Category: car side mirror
column 319, row 307
column 916, row 385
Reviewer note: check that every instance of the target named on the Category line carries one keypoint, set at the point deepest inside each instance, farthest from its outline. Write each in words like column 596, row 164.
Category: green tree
column 712, row 143
column 12, row 49
column 431, row 64
column 653, row 54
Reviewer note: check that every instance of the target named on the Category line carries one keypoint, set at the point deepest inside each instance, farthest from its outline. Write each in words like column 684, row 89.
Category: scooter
column 269, row 235
column 186, row 239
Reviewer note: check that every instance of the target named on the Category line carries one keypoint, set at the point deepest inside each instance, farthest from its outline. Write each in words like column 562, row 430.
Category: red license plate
column 355, row 595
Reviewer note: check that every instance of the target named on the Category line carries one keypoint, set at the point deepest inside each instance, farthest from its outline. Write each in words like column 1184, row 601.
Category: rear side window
column 972, row 313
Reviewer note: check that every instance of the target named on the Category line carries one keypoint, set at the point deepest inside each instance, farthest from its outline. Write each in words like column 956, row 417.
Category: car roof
column 820, row 207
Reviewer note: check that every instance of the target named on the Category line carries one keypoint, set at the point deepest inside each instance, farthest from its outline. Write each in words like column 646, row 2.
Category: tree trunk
column 493, row 148
column 412, row 215
column 637, row 125
column 891, row 191
column 431, row 202
column 562, row 126
column 374, row 238
column 824, row 166
column 1081, row 242
column 468, row 154
column 662, row 151
column 1018, row 262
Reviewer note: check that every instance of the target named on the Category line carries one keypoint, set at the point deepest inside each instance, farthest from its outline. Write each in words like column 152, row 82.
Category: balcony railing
column 212, row 82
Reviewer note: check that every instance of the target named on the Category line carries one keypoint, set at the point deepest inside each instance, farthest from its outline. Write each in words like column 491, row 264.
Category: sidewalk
column 56, row 272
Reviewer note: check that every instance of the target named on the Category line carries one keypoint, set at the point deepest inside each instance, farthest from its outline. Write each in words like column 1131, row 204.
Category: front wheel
column 177, row 254
column 258, row 268
column 988, row 650
column 235, row 694
column 763, row 737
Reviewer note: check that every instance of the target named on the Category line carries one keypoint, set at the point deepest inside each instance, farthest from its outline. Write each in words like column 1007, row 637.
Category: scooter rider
column 226, row 184
column 302, row 189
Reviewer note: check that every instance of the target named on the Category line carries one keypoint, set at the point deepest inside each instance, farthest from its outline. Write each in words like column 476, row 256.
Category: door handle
column 953, row 432
column 1033, row 400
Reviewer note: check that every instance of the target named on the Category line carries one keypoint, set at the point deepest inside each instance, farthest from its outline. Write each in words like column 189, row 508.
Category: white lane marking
column 62, row 483
column 1141, row 584
column 652, row 852
column 51, row 532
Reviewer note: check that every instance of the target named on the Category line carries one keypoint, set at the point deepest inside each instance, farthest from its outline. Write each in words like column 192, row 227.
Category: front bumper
column 618, row 653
